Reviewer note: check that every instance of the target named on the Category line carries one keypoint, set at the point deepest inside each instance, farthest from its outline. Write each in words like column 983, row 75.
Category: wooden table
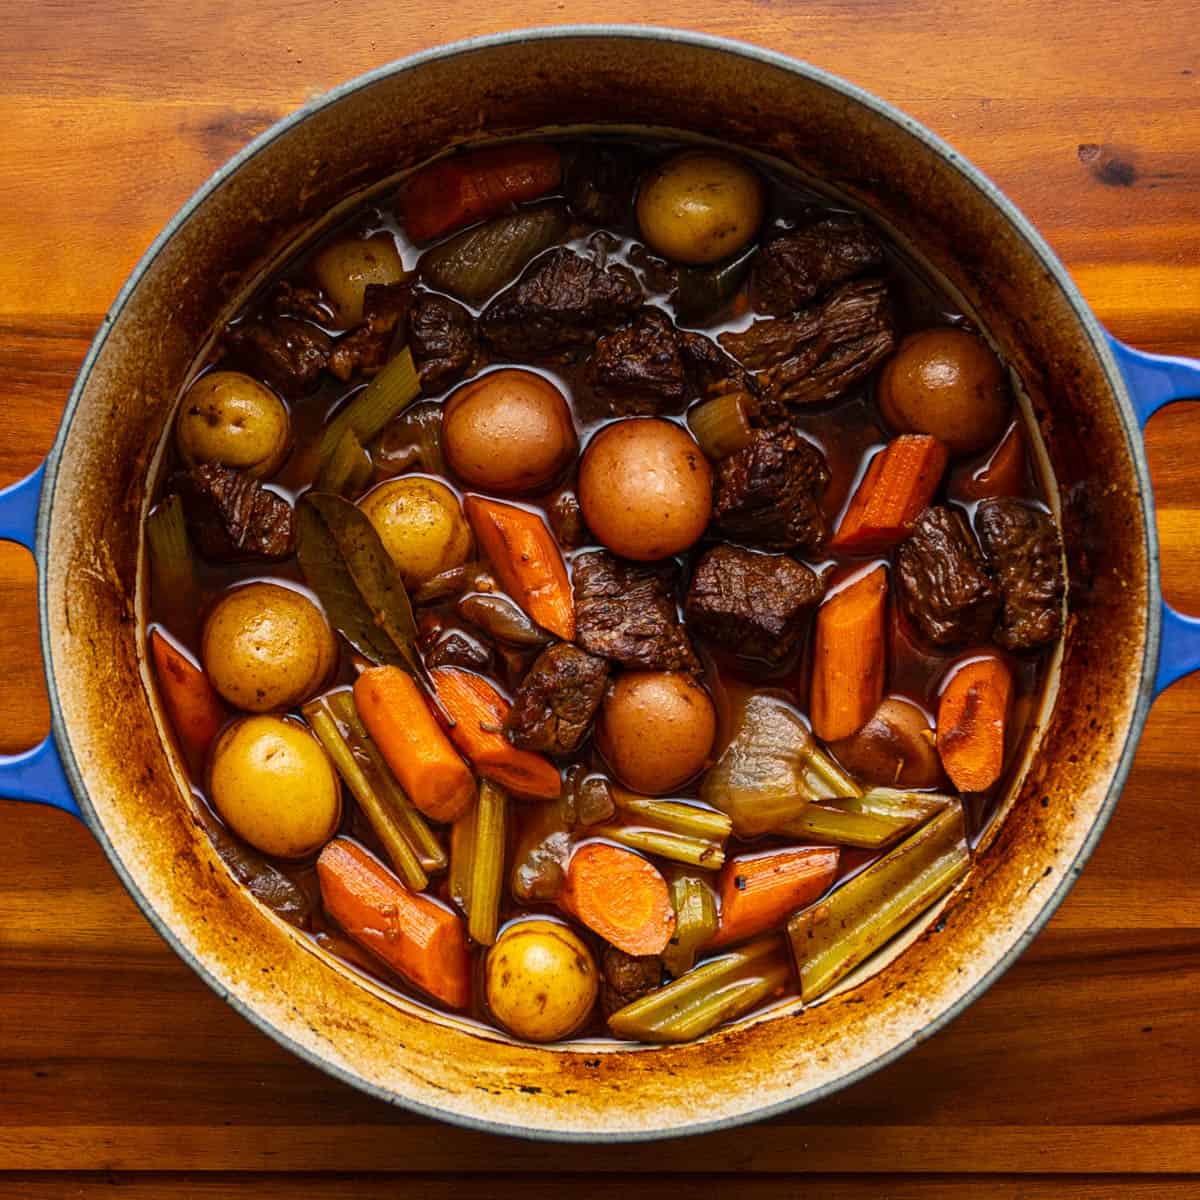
column 1077, row 1075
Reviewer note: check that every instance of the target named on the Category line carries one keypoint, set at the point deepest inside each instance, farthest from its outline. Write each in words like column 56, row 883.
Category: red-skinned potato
column 895, row 748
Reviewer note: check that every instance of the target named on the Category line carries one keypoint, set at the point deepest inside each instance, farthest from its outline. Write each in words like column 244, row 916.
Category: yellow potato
column 229, row 418
column 541, row 980
column 421, row 525
column 700, row 207
column 346, row 267
column 267, row 646
column 275, row 787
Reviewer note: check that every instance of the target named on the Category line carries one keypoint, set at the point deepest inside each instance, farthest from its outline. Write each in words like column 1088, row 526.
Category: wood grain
column 1075, row 1076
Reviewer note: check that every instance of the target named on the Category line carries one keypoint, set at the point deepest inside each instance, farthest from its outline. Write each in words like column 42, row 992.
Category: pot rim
column 1100, row 347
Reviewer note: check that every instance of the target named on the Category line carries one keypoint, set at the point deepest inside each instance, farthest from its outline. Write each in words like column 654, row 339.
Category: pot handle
column 35, row 774
column 1154, row 380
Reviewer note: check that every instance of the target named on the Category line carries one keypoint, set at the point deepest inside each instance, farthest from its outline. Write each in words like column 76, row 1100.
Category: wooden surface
column 1078, row 1075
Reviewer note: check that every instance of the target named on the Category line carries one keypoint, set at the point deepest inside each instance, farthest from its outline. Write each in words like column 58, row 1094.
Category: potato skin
column 229, row 418
column 421, row 525
column 346, row 266
column 542, row 980
column 274, row 786
column 699, row 207
column 509, row 432
column 266, row 646
column 655, row 729
column 946, row 382
column 895, row 748
column 645, row 488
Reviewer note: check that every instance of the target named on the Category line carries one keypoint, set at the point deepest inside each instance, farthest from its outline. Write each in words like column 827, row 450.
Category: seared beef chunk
column 627, row 978
column 756, row 605
column 944, row 587
column 295, row 300
column 823, row 350
column 711, row 370
column 557, row 700
column 566, row 520
column 456, row 649
column 769, row 494
column 444, row 341
column 798, row 266
column 599, row 184
column 626, row 611
column 232, row 517
column 561, row 302
column 655, row 274
column 1023, row 547
column 638, row 370
column 286, row 353
column 368, row 347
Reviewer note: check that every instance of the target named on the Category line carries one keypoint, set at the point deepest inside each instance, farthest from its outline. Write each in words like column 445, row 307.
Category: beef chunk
column 232, row 517
column 823, row 350
column 655, row 274
column 637, row 370
column 561, row 302
column 769, row 494
column 756, row 605
column 599, row 184
column 711, row 370
column 557, row 700
column 296, row 300
column 626, row 611
column 566, row 520
column 289, row 354
column 1023, row 547
column 627, row 978
column 456, row 649
column 798, row 266
column 943, row 585
column 367, row 348
column 444, row 341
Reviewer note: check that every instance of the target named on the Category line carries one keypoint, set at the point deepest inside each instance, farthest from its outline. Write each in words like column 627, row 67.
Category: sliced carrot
column 527, row 561
column 972, row 718
column 758, row 891
column 848, row 657
column 621, row 896
column 456, row 191
column 898, row 485
column 410, row 931
column 479, row 712
column 1004, row 472
column 196, row 711
column 428, row 767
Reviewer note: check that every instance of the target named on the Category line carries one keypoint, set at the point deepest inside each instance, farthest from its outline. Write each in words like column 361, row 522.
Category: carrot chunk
column 456, row 191
column 898, row 485
column 758, row 891
column 1004, row 472
column 848, row 657
column 479, row 713
column 409, row 931
column 398, row 718
column 972, row 718
column 196, row 711
column 527, row 561
column 619, row 895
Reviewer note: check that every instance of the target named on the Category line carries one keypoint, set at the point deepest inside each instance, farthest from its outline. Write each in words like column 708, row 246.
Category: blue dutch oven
column 81, row 512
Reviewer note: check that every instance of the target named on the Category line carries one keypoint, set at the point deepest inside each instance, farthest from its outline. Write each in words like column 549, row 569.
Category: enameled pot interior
column 365, row 135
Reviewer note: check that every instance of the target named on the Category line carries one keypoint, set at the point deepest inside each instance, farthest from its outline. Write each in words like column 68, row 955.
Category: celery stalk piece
column 695, row 922
column 721, row 425
column 704, row 997
column 834, row 935
column 386, row 396
column 489, row 843
column 673, row 829
column 170, row 552
column 347, row 469
column 422, row 839
column 462, row 858
column 871, row 821
column 381, row 816
column 677, row 847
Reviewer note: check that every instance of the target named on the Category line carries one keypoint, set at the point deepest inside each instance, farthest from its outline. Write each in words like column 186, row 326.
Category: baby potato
column 541, row 980
column 345, row 267
column 421, row 525
column 229, row 418
column 699, row 207
column 946, row 382
column 267, row 646
column 508, row 432
column 645, row 488
column 656, row 730
column 275, row 787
